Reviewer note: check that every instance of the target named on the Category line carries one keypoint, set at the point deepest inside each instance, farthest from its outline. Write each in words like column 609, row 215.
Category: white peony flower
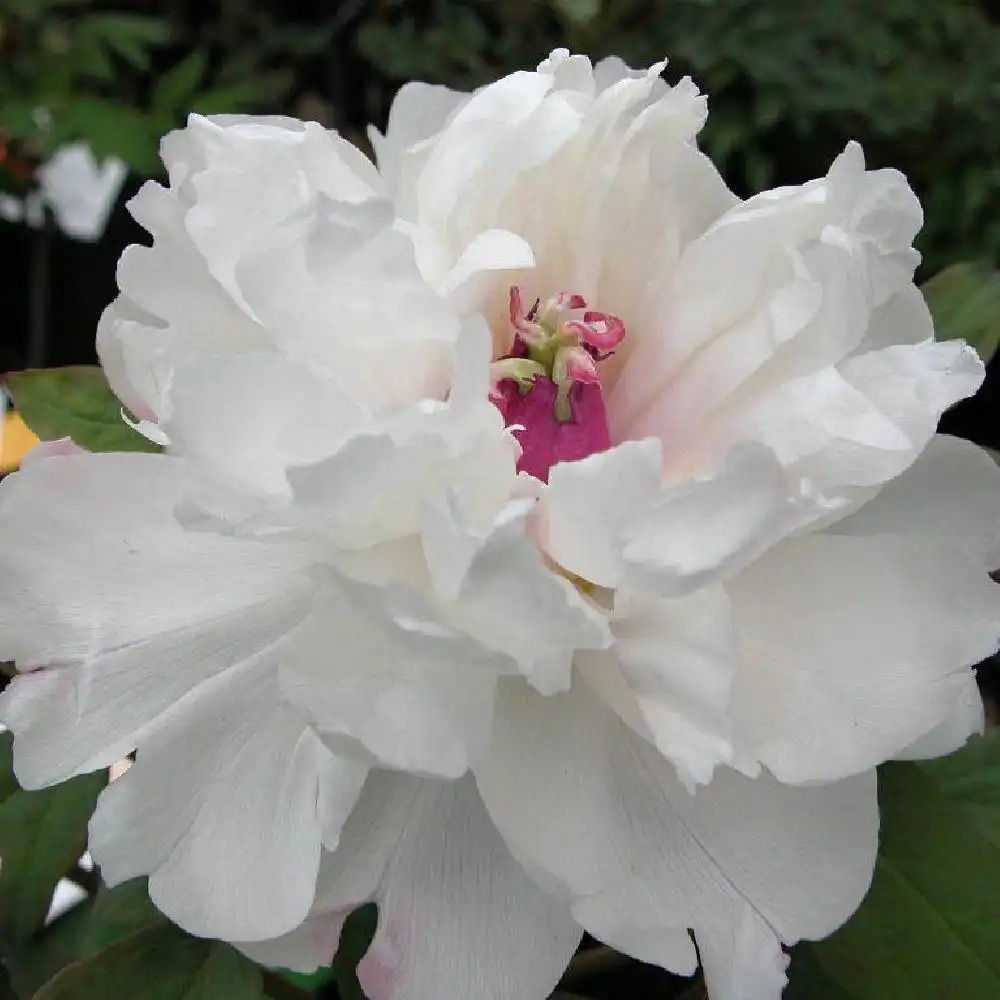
column 604, row 627
column 80, row 190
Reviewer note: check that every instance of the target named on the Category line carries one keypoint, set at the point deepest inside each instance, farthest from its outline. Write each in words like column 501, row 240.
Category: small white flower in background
column 80, row 191
column 546, row 540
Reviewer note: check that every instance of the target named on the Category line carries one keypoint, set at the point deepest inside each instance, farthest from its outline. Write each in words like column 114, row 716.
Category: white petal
column 914, row 385
column 312, row 944
column 607, row 520
column 378, row 485
column 170, row 308
column 473, row 136
column 257, row 173
column 221, row 810
column 377, row 665
column 511, row 601
column 806, row 268
column 743, row 961
column 709, row 528
column 967, row 718
column 248, row 417
column 855, row 647
column 134, row 573
column 589, row 504
column 356, row 307
column 59, row 448
column 678, row 659
column 951, row 491
column 418, row 111
column 597, row 809
column 470, row 283
column 457, row 915
column 863, row 422
column 69, row 719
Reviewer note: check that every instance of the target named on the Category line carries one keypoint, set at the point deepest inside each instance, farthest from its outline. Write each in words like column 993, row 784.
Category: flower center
column 548, row 388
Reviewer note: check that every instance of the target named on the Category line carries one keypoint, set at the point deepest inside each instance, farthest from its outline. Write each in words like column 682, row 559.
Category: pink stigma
column 548, row 387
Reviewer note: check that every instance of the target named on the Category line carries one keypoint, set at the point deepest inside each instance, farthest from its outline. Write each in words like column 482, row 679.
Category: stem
column 40, row 279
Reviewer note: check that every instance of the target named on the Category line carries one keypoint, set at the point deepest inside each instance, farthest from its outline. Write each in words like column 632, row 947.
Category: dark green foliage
column 42, row 833
column 76, row 403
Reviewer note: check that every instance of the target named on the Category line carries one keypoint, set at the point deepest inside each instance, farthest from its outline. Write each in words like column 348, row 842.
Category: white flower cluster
column 363, row 654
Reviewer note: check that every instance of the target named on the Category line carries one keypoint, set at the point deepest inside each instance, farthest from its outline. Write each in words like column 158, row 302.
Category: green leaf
column 359, row 929
column 76, row 403
column 175, row 91
column 159, row 962
column 972, row 778
column 928, row 929
column 117, row 914
column 37, row 962
column 42, row 834
column 18, row 119
column 114, row 129
column 8, row 783
column 965, row 302
column 131, row 36
column 311, row 982
column 89, row 928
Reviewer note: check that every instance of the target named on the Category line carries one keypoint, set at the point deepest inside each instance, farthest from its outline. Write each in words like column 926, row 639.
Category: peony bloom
column 545, row 540
column 80, row 191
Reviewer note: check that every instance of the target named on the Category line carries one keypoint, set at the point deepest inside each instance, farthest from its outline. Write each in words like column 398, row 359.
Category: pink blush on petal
column 59, row 448
column 376, row 971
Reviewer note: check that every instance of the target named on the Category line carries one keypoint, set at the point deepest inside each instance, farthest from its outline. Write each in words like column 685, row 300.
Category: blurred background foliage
column 789, row 82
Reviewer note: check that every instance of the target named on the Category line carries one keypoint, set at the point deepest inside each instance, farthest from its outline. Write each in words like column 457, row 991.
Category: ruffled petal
column 511, row 601
column 708, row 529
column 246, row 174
column 966, row 718
column 248, row 417
column 854, row 647
column 606, row 518
column 589, row 505
column 73, row 718
column 952, row 491
column 457, row 914
column 377, row 665
column 676, row 660
column 226, row 808
column 133, row 573
column 850, row 428
column 338, row 286
column 594, row 810
column 805, row 269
